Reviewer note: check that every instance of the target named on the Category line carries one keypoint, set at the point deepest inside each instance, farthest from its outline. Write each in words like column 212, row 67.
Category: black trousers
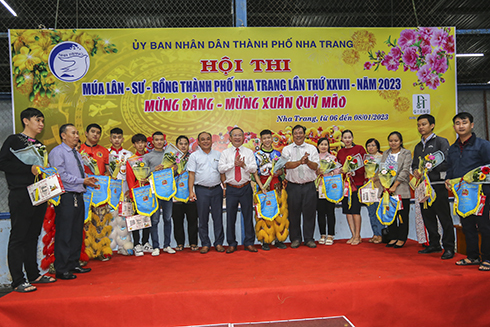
column 398, row 230
column 26, row 222
column 326, row 216
column 244, row 196
column 69, row 232
column 471, row 225
column 179, row 210
column 439, row 209
column 301, row 200
column 145, row 238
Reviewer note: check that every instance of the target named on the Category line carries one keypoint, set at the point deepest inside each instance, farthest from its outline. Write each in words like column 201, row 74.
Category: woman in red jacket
column 357, row 179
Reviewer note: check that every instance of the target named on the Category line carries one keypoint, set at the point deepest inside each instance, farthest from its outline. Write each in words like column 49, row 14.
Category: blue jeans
column 166, row 207
column 375, row 223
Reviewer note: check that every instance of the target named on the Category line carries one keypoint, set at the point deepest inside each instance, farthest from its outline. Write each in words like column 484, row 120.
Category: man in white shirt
column 237, row 163
column 205, row 189
column 301, row 174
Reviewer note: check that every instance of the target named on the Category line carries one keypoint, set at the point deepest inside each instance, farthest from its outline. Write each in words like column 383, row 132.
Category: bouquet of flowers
column 326, row 166
column 90, row 162
column 140, row 170
column 387, row 174
column 33, row 155
column 115, row 165
column 171, row 156
column 478, row 175
column 278, row 163
column 430, row 161
column 352, row 163
column 371, row 165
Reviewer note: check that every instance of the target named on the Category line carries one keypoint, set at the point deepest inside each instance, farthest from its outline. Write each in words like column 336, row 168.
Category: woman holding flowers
column 372, row 147
column 398, row 230
column 352, row 208
column 324, row 207
column 188, row 208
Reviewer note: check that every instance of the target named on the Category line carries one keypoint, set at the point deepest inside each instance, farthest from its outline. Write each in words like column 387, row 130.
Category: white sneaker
column 156, row 252
column 147, row 248
column 169, row 250
column 138, row 250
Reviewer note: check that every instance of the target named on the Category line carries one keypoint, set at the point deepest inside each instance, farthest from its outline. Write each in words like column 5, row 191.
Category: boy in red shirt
column 139, row 143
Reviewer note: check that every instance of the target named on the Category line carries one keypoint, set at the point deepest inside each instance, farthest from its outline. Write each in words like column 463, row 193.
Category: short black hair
column 375, row 142
column 158, row 133
column 429, row 118
column 116, row 130
column 93, row 125
column 29, row 113
column 137, row 138
column 399, row 136
column 462, row 116
column 198, row 136
column 236, row 128
column 182, row 137
column 299, row 126
column 63, row 129
column 266, row 132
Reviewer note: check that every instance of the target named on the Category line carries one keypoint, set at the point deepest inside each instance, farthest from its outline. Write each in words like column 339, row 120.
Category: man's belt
column 208, row 187
column 239, row 186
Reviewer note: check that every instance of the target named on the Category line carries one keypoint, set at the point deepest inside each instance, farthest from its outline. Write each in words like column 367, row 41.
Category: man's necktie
column 75, row 153
column 238, row 172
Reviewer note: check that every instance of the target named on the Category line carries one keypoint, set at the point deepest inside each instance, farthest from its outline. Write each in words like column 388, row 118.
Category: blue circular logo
column 69, row 61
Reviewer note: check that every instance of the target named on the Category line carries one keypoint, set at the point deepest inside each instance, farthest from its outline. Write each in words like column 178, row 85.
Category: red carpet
column 369, row 284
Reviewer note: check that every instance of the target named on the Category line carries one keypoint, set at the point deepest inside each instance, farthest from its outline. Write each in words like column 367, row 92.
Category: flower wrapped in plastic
column 480, row 175
column 326, row 166
column 352, row 163
column 115, row 165
column 371, row 165
column 90, row 162
column 33, row 155
column 368, row 192
column 278, row 163
column 171, row 156
column 387, row 175
column 140, row 170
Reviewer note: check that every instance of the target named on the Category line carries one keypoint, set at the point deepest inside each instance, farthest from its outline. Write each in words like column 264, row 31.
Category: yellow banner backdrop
column 184, row 81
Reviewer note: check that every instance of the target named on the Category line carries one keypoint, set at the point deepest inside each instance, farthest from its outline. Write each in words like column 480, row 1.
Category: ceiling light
column 8, row 7
column 469, row 55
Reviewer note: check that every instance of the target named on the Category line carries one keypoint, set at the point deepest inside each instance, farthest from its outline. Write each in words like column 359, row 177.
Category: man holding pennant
column 70, row 213
column 424, row 161
column 470, row 154
column 26, row 220
column 154, row 160
column 267, row 177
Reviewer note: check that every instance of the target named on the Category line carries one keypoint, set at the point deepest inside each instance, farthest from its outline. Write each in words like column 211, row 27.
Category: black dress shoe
column 65, row 275
column 448, row 254
column 80, row 270
column 431, row 249
column 390, row 245
column 396, row 246
column 266, row 247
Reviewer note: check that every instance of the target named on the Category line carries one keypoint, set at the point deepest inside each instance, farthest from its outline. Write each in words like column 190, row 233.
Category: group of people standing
column 214, row 176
